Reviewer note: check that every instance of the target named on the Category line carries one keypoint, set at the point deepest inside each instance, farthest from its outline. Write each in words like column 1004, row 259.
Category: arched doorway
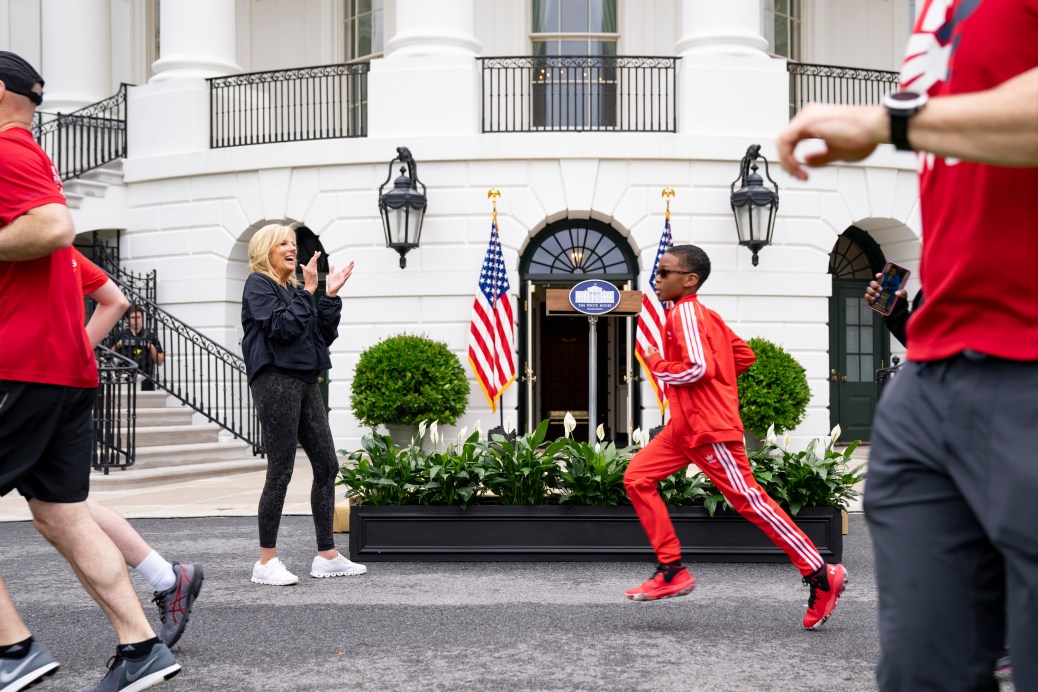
column 553, row 350
column 857, row 338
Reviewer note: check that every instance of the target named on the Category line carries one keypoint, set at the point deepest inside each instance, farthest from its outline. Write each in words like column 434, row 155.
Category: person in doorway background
column 287, row 332
column 141, row 346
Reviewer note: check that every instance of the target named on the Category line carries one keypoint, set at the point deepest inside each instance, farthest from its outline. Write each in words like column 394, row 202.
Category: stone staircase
column 93, row 183
column 175, row 444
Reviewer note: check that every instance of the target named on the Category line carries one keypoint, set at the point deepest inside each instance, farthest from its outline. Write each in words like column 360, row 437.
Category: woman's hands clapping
column 336, row 278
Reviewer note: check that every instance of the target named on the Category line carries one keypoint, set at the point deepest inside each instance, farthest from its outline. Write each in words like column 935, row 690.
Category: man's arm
column 111, row 304
column 998, row 126
column 37, row 233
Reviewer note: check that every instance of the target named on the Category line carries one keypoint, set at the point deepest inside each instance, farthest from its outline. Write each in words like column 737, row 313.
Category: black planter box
column 554, row 533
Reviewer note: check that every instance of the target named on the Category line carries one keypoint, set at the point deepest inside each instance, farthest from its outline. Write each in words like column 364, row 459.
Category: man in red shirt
column 48, row 379
column 704, row 358
column 953, row 477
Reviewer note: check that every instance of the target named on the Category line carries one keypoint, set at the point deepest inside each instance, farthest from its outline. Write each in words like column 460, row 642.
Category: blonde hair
column 265, row 240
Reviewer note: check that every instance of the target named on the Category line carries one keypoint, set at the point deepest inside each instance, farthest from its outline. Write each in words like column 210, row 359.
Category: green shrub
column 773, row 391
column 407, row 379
column 592, row 475
column 384, row 473
column 523, row 471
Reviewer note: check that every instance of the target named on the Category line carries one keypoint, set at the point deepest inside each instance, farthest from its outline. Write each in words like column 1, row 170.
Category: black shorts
column 46, row 433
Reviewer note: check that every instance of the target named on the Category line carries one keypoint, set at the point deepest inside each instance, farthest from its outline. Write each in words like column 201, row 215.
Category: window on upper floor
column 364, row 22
column 575, row 82
column 782, row 27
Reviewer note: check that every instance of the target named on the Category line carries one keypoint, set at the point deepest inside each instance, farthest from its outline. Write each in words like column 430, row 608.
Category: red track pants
column 725, row 464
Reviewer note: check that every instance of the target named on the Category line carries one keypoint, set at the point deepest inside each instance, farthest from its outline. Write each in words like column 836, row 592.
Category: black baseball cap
column 19, row 76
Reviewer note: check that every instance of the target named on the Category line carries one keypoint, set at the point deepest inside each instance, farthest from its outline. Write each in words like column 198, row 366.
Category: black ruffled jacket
column 286, row 327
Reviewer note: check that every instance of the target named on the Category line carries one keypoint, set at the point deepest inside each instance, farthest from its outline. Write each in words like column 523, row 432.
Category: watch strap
column 899, row 130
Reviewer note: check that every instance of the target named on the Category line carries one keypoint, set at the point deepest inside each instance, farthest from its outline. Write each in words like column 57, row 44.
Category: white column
column 428, row 82
column 424, row 28
column 196, row 40
column 76, row 60
column 727, row 83
column 732, row 27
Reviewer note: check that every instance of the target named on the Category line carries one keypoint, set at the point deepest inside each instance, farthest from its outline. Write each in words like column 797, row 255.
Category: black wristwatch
column 902, row 105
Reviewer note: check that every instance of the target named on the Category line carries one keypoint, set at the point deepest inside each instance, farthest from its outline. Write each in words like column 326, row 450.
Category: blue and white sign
column 594, row 297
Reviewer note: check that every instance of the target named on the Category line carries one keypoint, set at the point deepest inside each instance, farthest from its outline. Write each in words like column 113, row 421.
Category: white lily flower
column 434, row 434
column 637, row 437
column 509, row 426
column 770, row 436
column 598, row 447
column 478, row 430
column 600, row 432
column 569, row 424
column 835, row 434
column 461, row 435
column 785, row 441
column 421, row 429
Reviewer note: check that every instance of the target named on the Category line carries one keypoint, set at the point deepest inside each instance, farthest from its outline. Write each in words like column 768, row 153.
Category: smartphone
column 893, row 279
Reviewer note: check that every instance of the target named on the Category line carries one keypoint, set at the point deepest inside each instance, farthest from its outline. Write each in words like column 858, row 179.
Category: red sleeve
column 743, row 354
column 90, row 275
column 27, row 176
column 694, row 361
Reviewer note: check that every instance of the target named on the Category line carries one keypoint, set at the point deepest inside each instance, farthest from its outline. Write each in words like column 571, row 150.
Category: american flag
column 651, row 318
column 491, row 334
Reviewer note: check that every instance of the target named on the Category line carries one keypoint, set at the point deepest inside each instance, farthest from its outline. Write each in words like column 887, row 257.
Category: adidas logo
column 709, row 457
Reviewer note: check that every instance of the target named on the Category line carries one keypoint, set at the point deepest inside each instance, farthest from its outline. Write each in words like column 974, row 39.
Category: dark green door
column 857, row 348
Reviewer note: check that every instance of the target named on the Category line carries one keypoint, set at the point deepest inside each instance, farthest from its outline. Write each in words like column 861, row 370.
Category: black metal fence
column 115, row 412
column 306, row 103
column 85, row 139
column 838, row 85
column 574, row 94
column 196, row 370
column 884, row 375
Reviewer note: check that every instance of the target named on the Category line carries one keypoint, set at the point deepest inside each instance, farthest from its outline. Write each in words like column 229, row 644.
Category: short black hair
column 693, row 259
column 135, row 308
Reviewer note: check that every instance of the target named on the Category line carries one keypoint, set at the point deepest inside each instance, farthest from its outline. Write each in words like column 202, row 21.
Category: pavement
column 442, row 626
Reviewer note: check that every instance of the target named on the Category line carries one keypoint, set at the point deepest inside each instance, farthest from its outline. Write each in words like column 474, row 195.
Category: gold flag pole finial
column 493, row 194
column 668, row 194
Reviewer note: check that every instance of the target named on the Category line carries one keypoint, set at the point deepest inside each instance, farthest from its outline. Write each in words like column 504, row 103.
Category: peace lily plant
column 531, row 470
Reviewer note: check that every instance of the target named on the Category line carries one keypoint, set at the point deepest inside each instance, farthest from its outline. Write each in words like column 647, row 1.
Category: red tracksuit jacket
column 704, row 358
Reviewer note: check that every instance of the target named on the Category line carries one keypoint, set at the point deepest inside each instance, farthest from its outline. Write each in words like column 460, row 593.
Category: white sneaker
column 274, row 573
column 339, row 567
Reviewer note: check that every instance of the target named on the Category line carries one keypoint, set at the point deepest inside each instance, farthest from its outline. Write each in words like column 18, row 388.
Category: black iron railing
column 197, row 371
column 83, row 140
column 326, row 102
column 840, row 85
column 115, row 412
column 885, row 375
column 575, row 94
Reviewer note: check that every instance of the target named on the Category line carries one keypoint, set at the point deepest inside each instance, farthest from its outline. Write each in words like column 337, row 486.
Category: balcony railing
column 307, row 103
column 839, row 85
column 83, row 140
column 576, row 94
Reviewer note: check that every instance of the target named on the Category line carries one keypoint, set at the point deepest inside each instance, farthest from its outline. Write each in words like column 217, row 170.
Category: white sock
column 157, row 571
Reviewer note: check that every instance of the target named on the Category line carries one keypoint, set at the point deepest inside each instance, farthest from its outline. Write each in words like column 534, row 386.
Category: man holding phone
column 952, row 481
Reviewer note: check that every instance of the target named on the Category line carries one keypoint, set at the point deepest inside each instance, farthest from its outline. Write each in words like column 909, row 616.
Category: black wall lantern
column 403, row 207
column 755, row 206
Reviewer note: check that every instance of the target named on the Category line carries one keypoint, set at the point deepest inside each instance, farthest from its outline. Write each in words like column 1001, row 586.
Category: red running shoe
column 668, row 581
column 826, row 586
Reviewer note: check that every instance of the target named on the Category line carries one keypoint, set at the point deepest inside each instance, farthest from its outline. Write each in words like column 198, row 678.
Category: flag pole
column 667, row 194
column 493, row 194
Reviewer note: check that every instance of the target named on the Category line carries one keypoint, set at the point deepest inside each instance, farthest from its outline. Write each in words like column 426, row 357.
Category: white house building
column 579, row 111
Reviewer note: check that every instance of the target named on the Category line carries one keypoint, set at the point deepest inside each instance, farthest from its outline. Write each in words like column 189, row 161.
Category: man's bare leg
column 12, row 629
column 97, row 563
column 133, row 548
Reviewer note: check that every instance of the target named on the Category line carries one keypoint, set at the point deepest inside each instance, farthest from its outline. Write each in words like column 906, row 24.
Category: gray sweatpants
column 952, row 504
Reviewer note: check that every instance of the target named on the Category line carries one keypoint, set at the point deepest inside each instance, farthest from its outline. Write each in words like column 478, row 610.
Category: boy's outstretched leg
column 727, row 466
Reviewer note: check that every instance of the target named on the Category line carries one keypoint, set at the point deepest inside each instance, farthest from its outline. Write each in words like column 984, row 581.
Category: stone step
column 187, row 454
column 176, row 435
column 151, row 417
column 85, row 187
column 138, row 477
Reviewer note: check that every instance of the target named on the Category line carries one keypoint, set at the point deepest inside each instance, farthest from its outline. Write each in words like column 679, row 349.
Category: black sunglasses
column 662, row 273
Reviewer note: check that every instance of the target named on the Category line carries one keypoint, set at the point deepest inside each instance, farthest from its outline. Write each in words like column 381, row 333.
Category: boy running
column 704, row 358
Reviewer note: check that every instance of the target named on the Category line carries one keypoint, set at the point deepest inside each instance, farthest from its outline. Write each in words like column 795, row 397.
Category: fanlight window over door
column 578, row 248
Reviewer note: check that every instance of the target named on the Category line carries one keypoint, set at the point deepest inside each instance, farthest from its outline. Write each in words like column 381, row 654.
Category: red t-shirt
column 91, row 277
column 979, row 268
column 42, row 338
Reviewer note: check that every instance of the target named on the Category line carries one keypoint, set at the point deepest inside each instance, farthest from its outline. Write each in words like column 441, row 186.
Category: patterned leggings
column 289, row 410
